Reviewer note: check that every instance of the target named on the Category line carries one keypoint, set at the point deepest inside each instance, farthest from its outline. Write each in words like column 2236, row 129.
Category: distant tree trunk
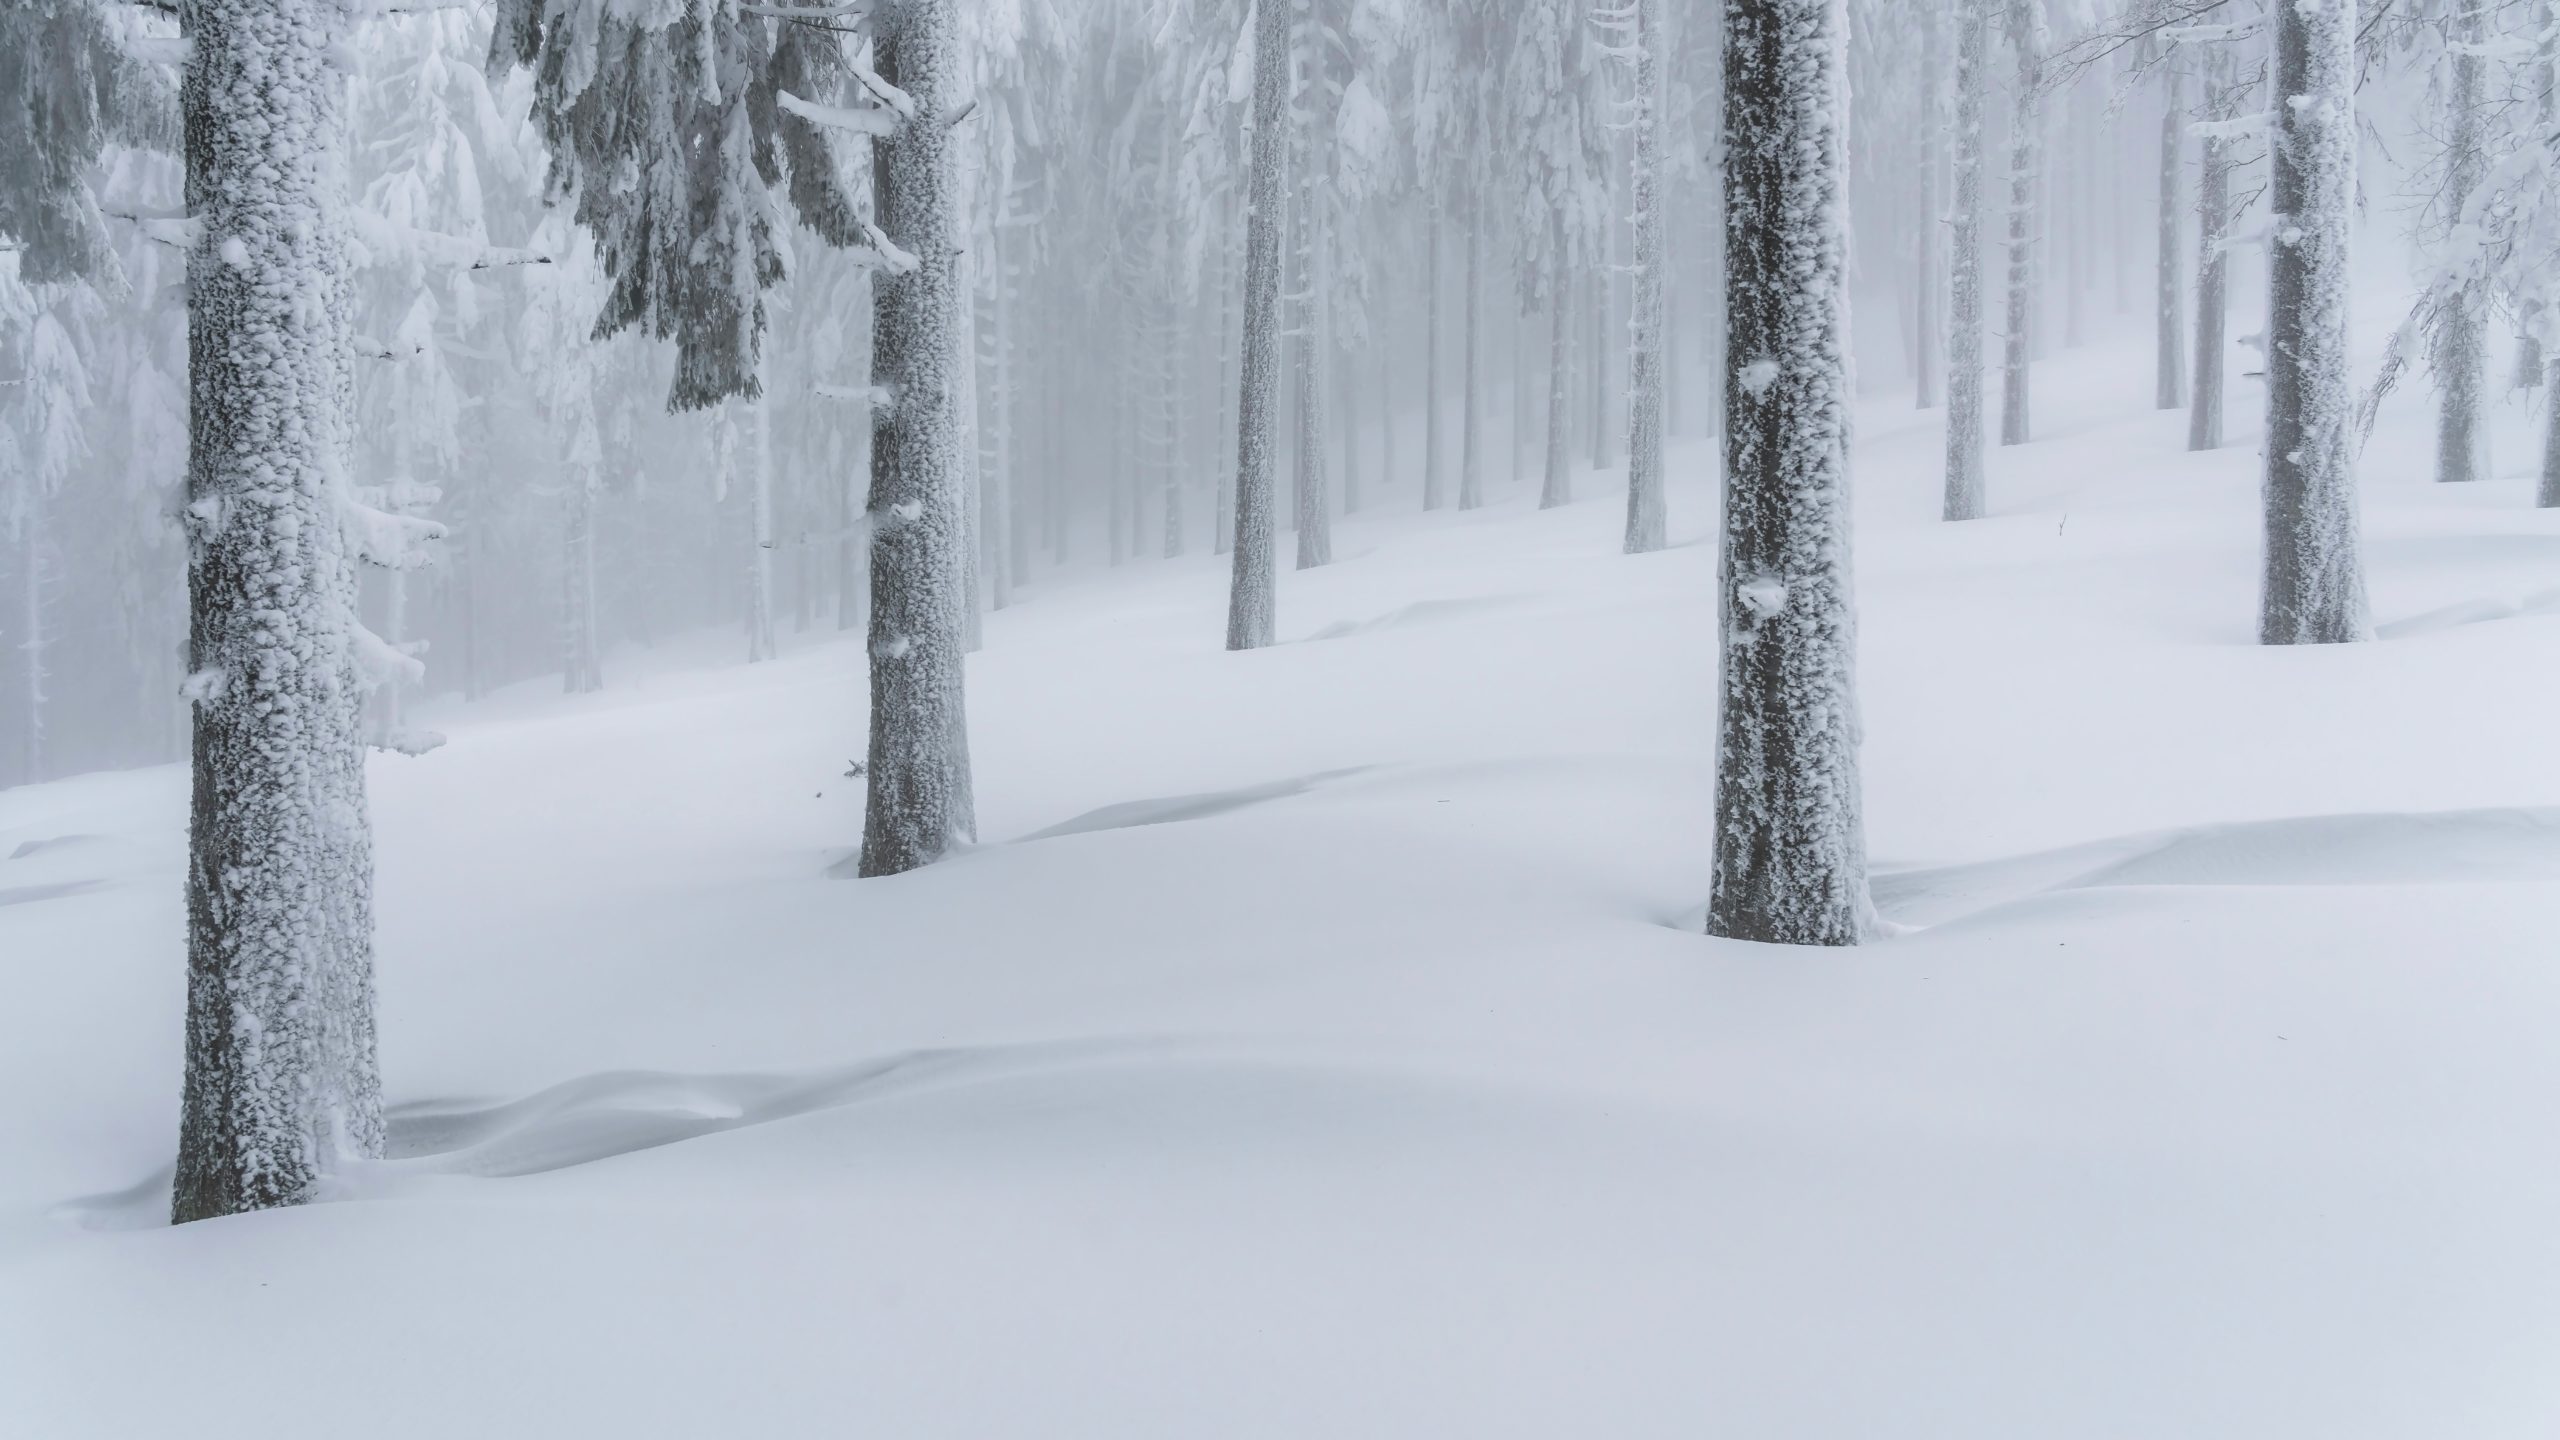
column 853, row 551
column 1558, row 487
column 1471, row 414
column 1314, row 506
column 2213, row 222
column 2314, row 581
column 2026, row 174
column 1250, row 602
column 1222, row 531
column 1926, row 264
column 1386, row 412
column 2171, row 391
column 1964, row 488
column 1348, row 389
column 1603, row 455
column 582, row 667
column 1646, row 519
column 1433, row 494
column 919, row 800
column 2460, row 352
column 1001, row 548
column 758, row 442
column 281, row 1079
column 1790, row 856
column 33, row 642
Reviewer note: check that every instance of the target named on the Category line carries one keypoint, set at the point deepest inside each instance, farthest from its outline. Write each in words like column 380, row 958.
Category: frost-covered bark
column 2169, row 303
column 1222, row 531
column 2026, row 176
column 1002, row 552
column 2213, row 222
column 1645, row 509
column 1930, row 320
column 919, row 801
column 2461, row 353
column 1790, row 856
column 1471, row 407
column 1250, row 600
column 2313, row 591
column 281, row 1084
column 1964, row 498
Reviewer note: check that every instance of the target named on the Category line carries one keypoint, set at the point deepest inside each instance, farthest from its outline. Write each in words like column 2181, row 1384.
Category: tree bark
column 2460, row 351
column 1647, row 521
column 2026, row 167
column 281, row 1078
column 1251, row 598
column 1964, row 488
column 919, row 800
column 2313, row 590
column 1790, row 861
column 2169, row 303
column 2213, row 222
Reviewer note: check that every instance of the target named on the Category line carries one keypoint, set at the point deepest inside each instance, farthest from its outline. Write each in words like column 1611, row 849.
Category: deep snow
column 1321, row 1044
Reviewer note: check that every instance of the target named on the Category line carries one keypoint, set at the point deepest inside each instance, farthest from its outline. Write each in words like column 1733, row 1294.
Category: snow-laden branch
column 864, row 120
column 386, row 538
column 386, row 242
column 2239, row 127
column 884, row 253
column 876, row 395
column 372, row 349
column 380, row 662
column 408, row 742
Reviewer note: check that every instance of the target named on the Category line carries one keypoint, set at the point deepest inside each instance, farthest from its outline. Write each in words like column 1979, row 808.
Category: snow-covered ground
column 1321, row 1043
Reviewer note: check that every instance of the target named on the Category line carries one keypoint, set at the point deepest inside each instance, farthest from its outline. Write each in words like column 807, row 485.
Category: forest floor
column 1322, row 1043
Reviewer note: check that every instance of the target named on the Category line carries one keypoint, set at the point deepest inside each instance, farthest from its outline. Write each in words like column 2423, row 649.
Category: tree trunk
column 1646, row 520
column 2213, row 222
column 33, row 643
column 2026, row 166
column 1558, row 487
column 1926, row 266
column 2314, row 579
column 1002, row 548
column 1313, row 506
column 1250, row 601
column 1433, row 494
column 919, row 801
column 2171, row 389
column 1790, row 856
column 1471, row 410
column 1964, row 488
column 852, row 552
column 759, row 447
column 281, row 1078
column 2461, row 352
column 582, row 668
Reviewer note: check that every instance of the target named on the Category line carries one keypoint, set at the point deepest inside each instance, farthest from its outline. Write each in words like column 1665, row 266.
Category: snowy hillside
column 1322, row 1043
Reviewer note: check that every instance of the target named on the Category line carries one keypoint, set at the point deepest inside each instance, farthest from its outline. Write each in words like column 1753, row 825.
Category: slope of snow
column 1321, row 1043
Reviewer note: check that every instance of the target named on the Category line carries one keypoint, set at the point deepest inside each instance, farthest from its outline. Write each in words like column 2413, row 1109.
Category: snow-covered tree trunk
column 919, row 802
column 1926, row 265
column 1557, row 487
column 964, row 438
column 281, row 1079
column 2170, row 392
column 2026, row 175
column 1964, row 489
column 853, row 552
column 2213, row 223
column 2460, row 350
column 1386, row 412
column 1169, row 415
column 1250, row 600
column 2313, row 589
column 1646, row 519
column 1434, row 493
column 1471, row 409
column 1790, row 854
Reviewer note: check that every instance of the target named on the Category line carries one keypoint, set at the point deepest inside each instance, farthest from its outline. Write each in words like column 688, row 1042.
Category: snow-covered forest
column 1778, row 718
